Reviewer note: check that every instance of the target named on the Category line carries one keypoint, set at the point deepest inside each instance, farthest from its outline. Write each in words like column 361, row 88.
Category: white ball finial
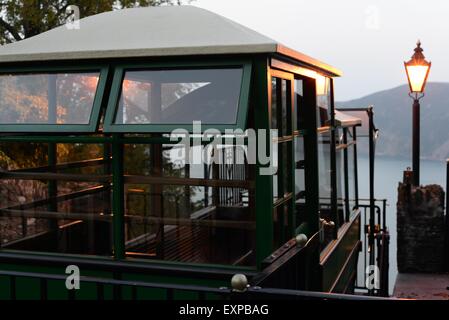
column 301, row 240
column 239, row 282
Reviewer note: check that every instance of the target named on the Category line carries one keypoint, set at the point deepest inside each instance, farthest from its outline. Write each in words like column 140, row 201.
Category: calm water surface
column 388, row 173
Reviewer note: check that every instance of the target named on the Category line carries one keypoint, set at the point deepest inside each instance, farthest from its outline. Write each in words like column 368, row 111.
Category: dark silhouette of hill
column 393, row 116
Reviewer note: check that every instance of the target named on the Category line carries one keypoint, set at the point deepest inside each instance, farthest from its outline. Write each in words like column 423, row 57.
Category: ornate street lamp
column 417, row 72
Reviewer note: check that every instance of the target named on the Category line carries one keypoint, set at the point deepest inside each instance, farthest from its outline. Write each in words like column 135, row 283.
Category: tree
column 20, row 19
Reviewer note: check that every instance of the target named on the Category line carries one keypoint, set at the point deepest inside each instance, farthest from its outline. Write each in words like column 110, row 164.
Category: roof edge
column 286, row 51
column 139, row 53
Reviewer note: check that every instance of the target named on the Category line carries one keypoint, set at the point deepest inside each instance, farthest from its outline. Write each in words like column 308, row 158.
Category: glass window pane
column 274, row 107
column 286, row 108
column 185, row 221
column 340, row 176
column 180, row 96
column 324, row 170
column 323, row 100
column 60, row 98
column 299, row 169
column 70, row 214
column 167, row 223
column 280, row 225
column 286, row 148
column 298, row 101
column 281, row 114
column 351, row 172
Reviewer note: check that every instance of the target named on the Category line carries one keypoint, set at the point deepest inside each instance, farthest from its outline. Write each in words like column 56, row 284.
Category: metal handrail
column 380, row 249
column 225, row 292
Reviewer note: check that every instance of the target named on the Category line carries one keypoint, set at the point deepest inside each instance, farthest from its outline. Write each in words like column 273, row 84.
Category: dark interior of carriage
column 59, row 197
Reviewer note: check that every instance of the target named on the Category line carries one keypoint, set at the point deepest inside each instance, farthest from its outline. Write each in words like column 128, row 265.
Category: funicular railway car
column 93, row 176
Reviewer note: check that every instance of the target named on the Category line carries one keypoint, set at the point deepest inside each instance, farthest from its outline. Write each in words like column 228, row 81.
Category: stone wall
column 420, row 228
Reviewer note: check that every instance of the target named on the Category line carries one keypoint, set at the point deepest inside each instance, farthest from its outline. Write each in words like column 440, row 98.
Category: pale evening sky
column 368, row 40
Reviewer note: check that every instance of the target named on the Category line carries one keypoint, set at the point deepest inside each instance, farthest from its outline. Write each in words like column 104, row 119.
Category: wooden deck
column 422, row 286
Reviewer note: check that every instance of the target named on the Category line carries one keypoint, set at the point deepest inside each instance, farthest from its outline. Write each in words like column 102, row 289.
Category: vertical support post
column 106, row 195
column 264, row 183
column 416, row 142
column 291, row 154
column 346, row 173
column 446, row 250
column 157, row 197
column 371, row 189
column 313, row 279
column 281, row 156
column 107, row 170
column 356, row 170
column 118, row 198
column 333, row 160
column 311, row 176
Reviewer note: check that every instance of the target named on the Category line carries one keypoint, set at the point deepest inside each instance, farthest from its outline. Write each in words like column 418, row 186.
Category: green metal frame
column 259, row 68
column 120, row 69
column 103, row 69
column 286, row 197
column 264, row 183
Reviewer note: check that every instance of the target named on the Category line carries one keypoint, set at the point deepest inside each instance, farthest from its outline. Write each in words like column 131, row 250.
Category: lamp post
column 417, row 70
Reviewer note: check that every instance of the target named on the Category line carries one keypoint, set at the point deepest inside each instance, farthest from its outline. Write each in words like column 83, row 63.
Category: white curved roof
column 151, row 31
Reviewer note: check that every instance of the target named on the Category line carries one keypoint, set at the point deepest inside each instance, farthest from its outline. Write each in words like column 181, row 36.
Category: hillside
column 393, row 116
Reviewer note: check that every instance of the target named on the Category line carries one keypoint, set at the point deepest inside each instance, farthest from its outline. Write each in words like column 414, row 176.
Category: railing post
column 371, row 187
column 446, row 231
column 386, row 270
column 356, row 170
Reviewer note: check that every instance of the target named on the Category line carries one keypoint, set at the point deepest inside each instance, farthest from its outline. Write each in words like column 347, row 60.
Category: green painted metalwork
column 338, row 259
column 62, row 128
column 356, row 170
column 256, row 73
column 118, row 200
column 291, row 155
column 333, row 168
column 346, row 173
column 264, row 183
column 120, row 69
column 310, row 157
column 56, row 139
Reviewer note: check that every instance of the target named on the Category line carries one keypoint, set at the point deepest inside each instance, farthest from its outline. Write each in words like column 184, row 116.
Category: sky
column 367, row 40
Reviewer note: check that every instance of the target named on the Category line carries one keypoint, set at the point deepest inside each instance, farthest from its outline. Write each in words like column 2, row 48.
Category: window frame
column 90, row 127
column 287, row 199
column 119, row 74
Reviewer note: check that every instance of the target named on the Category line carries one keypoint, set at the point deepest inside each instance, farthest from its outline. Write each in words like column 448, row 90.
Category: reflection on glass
column 323, row 100
column 180, row 96
column 341, row 197
column 286, row 116
column 298, row 104
column 165, row 223
column 65, row 216
column 286, row 149
column 324, row 169
column 299, row 170
column 281, row 106
column 351, row 173
column 177, row 220
column 274, row 106
column 280, row 225
column 62, row 98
